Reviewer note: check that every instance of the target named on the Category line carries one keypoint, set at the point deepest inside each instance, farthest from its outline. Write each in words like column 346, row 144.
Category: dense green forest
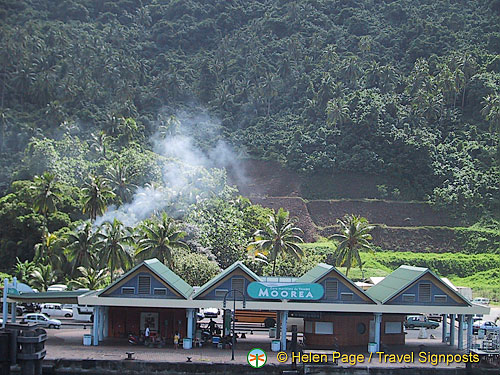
column 104, row 94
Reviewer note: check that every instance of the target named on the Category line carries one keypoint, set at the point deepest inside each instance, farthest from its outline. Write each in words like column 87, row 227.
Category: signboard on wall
column 288, row 291
column 149, row 319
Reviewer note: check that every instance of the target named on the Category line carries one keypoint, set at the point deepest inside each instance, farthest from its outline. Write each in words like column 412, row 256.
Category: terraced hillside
column 401, row 225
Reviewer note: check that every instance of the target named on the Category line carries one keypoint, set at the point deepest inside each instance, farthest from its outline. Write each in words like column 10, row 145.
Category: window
column 331, row 289
column 392, row 327
column 346, row 296
column 238, row 283
column 424, row 292
column 160, row 291
column 220, row 293
column 128, row 290
column 324, row 328
column 309, row 326
column 440, row 298
column 361, row 328
column 408, row 297
column 144, row 285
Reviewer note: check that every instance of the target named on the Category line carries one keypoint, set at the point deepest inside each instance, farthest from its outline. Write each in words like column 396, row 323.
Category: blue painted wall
column 342, row 288
column 227, row 285
column 435, row 290
column 134, row 282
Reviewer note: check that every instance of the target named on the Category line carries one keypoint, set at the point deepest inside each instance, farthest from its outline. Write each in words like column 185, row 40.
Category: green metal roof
column 65, row 296
column 321, row 270
column 163, row 272
column 402, row 278
column 223, row 274
column 315, row 273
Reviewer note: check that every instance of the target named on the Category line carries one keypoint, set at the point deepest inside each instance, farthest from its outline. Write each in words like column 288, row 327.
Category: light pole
column 233, row 314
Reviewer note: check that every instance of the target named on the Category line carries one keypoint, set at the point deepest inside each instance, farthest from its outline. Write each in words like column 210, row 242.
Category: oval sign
column 290, row 291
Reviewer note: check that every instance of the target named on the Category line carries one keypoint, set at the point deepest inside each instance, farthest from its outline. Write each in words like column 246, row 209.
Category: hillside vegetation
column 407, row 89
column 120, row 122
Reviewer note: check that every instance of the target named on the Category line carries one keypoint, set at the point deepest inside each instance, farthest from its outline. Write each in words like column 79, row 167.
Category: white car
column 481, row 300
column 488, row 326
column 55, row 309
column 42, row 320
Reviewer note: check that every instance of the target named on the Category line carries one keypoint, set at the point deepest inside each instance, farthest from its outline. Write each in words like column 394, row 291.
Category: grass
column 481, row 272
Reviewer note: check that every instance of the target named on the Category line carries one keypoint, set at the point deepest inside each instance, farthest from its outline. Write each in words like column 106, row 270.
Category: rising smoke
column 194, row 153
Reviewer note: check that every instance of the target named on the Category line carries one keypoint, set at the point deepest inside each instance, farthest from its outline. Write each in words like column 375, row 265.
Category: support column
column 445, row 328
column 13, row 316
column 101, row 323
column 95, row 327
column 190, row 320
column 460, row 345
column 106, row 322
column 284, row 318
column 378, row 323
column 5, row 308
column 469, row 332
column 452, row 329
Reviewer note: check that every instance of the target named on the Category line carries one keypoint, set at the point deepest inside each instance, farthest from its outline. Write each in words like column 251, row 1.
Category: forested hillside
column 408, row 89
column 119, row 119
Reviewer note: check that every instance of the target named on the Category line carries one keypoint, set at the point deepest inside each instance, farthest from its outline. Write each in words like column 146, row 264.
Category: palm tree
column 96, row 196
column 42, row 277
column 112, row 244
column 119, row 179
column 91, row 278
column 159, row 238
column 354, row 235
column 47, row 194
column 81, row 246
column 280, row 236
column 46, row 251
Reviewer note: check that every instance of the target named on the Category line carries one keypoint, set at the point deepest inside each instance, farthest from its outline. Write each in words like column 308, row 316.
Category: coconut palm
column 159, row 238
column 42, row 277
column 96, row 195
column 354, row 236
column 279, row 237
column 119, row 179
column 47, row 194
column 113, row 249
column 91, row 278
column 81, row 246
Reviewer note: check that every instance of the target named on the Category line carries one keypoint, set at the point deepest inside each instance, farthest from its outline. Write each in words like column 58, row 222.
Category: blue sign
column 288, row 291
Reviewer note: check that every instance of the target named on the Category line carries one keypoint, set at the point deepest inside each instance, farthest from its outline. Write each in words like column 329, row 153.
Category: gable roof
column 225, row 273
column 402, row 278
column 163, row 272
column 321, row 270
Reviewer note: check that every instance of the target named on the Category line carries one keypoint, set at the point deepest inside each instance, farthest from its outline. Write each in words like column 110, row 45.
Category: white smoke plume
column 192, row 145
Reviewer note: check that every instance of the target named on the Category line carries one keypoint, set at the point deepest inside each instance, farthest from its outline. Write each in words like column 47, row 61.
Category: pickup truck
column 419, row 321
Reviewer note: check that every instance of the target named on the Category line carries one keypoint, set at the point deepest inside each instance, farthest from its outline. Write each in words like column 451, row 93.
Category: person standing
column 176, row 340
column 147, row 333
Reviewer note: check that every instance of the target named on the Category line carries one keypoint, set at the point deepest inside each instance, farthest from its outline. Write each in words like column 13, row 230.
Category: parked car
column 420, row 321
column 55, row 309
column 435, row 317
column 42, row 320
column 481, row 300
column 488, row 326
column 30, row 307
column 19, row 309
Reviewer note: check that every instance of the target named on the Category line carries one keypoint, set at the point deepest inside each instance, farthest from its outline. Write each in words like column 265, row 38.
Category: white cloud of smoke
column 187, row 143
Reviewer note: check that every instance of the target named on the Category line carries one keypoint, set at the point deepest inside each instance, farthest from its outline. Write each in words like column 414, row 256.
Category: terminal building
column 336, row 312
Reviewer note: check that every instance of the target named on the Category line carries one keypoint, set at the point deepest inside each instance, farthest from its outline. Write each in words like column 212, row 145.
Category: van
column 481, row 300
column 55, row 309
column 83, row 313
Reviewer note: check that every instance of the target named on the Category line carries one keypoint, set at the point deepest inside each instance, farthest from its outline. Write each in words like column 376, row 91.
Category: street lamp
column 233, row 314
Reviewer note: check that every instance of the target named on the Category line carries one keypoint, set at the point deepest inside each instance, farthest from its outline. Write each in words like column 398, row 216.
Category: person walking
column 177, row 338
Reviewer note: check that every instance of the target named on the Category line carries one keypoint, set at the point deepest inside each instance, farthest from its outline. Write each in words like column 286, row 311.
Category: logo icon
column 256, row 358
